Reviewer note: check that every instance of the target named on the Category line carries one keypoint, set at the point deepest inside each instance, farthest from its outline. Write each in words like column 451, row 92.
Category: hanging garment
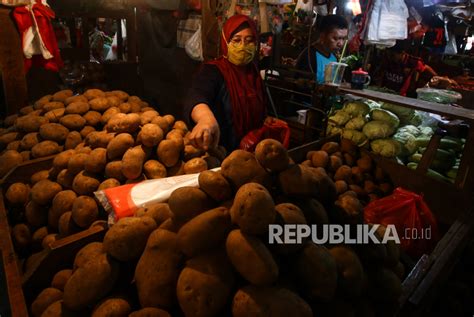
column 38, row 38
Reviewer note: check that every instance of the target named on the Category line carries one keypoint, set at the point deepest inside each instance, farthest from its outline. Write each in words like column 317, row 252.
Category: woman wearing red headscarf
column 227, row 99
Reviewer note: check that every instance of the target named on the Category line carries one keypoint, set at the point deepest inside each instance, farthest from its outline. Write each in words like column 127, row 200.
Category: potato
column 212, row 161
column 251, row 258
column 61, row 160
column 36, row 215
column 15, row 146
column 86, row 130
column 44, row 299
column 55, row 115
column 36, row 177
column 341, row 187
column 135, row 99
column 147, row 116
column 100, row 104
column 77, row 163
column 175, row 135
column 158, row 211
column 8, row 160
column 121, row 122
column 44, row 191
column 67, row 226
column 150, row 135
column 204, row 286
column 114, row 170
column 132, row 162
column 112, row 307
column 77, row 98
column 38, row 237
column 26, row 110
column 127, row 238
column 348, row 209
column 65, row 179
column 90, row 282
column 181, row 125
column 331, row 147
column 162, row 123
column 158, row 269
column 39, row 104
column 269, row 301
column 62, row 95
column 272, row 155
column 62, row 202
column 45, row 148
column 109, row 114
column 73, row 139
column 93, row 93
column 85, row 183
column 87, row 253
column 7, row 138
column 334, row 163
column 48, row 240
column 99, row 139
column 348, row 159
column 122, row 95
column 17, row 194
column 253, row 209
column 343, row 173
column 350, row 271
column 150, row 312
column 117, row 147
column 54, row 132
column 60, row 279
column 125, row 107
column 26, row 155
column 365, row 164
column 170, row 119
column 215, row 185
column 10, row 120
column 188, row 202
column 241, row 167
column 108, row 183
column 195, row 165
column 168, row 153
column 154, row 169
column 78, row 107
column 30, row 140
column 288, row 213
column 92, row 118
column 30, row 123
column 73, row 122
column 96, row 161
column 204, row 232
column 299, row 181
column 53, row 105
column 192, row 152
column 113, row 101
column 21, row 236
column 175, row 170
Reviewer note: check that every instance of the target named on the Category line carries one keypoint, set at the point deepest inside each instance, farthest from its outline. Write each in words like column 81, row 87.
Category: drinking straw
column 340, row 59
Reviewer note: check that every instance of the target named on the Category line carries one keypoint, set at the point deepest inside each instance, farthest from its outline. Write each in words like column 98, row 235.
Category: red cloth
column 43, row 15
column 244, row 83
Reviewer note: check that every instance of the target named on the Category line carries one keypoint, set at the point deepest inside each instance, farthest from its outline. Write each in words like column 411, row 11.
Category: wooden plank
column 431, row 107
column 23, row 171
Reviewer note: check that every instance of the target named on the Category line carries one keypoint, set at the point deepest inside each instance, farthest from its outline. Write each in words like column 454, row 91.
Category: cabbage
column 386, row 147
column 340, row 118
column 333, row 130
column 416, row 119
column 356, row 108
column 355, row 136
column 356, row 123
column 384, row 115
column 407, row 140
column 378, row 129
column 426, row 131
column 403, row 113
column 411, row 129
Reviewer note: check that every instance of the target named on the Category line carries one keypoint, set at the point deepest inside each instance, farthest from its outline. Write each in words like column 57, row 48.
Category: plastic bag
column 438, row 95
column 193, row 46
column 393, row 20
column 451, row 47
column 415, row 224
column 123, row 201
column 272, row 129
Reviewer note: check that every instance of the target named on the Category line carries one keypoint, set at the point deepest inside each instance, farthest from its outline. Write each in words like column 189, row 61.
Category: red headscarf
column 244, row 83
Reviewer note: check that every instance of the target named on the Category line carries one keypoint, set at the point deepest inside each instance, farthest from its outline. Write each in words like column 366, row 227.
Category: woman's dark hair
column 331, row 22
column 241, row 27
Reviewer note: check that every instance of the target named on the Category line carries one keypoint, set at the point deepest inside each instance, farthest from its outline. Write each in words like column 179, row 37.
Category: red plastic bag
column 272, row 129
column 415, row 224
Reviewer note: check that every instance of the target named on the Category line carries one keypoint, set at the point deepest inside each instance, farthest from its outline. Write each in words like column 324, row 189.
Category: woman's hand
column 205, row 133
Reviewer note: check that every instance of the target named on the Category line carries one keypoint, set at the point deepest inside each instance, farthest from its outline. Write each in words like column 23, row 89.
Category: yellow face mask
column 240, row 53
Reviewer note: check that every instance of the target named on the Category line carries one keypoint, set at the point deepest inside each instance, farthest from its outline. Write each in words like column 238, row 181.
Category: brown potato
column 26, row 110
column 8, row 160
column 77, row 107
column 88, row 252
column 38, row 237
column 17, row 194
column 85, row 183
column 343, row 173
column 44, row 299
column 195, row 165
column 62, row 202
column 112, row 307
column 251, row 258
column 162, row 123
column 170, row 119
column 62, row 95
column 188, row 202
column 122, row 95
column 26, row 155
column 150, row 135
column 55, row 115
column 77, row 163
column 109, row 114
column 288, row 213
column 158, row 211
column 154, row 169
column 99, row 139
column 29, row 140
column 204, row 232
column 113, row 101
column 52, row 106
column 92, row 118
column 132, row 162
column 86, row 130
column 108, row 183
column 147, row 116
column 73, row 122
column 65, row 179
column 168, row 152
column 348, row 209
column 212, row 161
column 331, row 147
column 60, row 279
column 48, row 240
column 90, row 282
column 150, row 312
column 54, row 132
column 350, row 271
column 67, row 226
column 96, row 161
column 192, row 152
column 100, row 104
column 127, row 238
column 215, row 185
column 272, row 155
column 114, row 170
column 30, row 123
column 36, row 177
column 175, row 170
column 253, row 209
column 119, row 145
column 341, row 187
column 21, row 236
column 73, row 139
column 44, row 191
column 365, row 164
column 45, row 148
column 334, row 163
column 61, row 160
column 121, row 122
column 36, row 215
column 241, row 167
column 77, row 98
column 10, row 120
column 15, row 146
column 125, row 107
column 84, row 211
column 7, row 138
column 39, row 104
column 93, row 93
column 181, row 125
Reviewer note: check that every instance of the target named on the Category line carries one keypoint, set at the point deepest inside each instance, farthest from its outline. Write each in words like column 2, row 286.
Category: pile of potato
column 206, row 253
column 101, row 140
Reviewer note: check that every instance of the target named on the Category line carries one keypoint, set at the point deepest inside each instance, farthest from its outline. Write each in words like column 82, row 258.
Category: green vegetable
column 356, row 108
column 356, row 123
column 412, row 165
column 437, row 176
column 340, row 118
column 403, row 113
column 378, row 129
column 453, row 172
column 411, row 129
column 415, row 157
column 408, row 141
column 386, row 147
column 386, row 116
column 355, row 136
column 426, row 131
column 447, row 143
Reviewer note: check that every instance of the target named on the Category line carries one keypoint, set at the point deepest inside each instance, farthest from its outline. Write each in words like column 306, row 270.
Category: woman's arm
column 205, row 133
